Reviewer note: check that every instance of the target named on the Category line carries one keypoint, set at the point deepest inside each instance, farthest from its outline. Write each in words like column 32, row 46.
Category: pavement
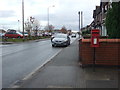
column 64, row 71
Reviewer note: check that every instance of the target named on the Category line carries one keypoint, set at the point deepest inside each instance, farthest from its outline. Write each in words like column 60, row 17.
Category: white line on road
column 15, row 85
column 34, row 71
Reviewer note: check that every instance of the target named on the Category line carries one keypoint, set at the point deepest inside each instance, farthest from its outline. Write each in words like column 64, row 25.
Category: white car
column 2, row 35
column 60, row 40
column 25, row 34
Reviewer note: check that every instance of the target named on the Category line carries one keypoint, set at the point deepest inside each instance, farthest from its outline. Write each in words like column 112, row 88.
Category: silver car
column 60, row 40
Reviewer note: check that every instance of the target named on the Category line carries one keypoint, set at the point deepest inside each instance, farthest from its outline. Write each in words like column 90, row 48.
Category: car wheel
column 18, row 37
column 53, row 45
column 68, row 43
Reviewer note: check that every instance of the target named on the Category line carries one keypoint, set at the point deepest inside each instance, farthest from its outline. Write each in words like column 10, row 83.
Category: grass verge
column 21, row 39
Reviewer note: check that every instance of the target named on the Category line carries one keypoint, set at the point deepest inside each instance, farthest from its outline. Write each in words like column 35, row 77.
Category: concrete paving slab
column 63, row 71
column 101, row 84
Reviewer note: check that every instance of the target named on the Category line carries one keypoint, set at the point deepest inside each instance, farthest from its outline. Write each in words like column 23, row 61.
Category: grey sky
column 64, row 13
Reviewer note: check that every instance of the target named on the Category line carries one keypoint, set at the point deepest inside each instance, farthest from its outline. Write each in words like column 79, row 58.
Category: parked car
column 47, row 34
column 73, row 35
column 60, row 40
column 25, row 34
column 13, row 35
column 2, row 35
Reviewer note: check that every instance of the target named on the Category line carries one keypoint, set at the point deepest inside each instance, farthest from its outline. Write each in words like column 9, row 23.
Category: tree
column 32, row 24
column 49, row 28
column 28, row 26
column 36, row 26
column 64, row 30
column 113, row 21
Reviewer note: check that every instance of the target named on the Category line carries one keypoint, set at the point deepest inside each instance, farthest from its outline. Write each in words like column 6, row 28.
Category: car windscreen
column 19, row 33
column 61, row 36
column 24, row 32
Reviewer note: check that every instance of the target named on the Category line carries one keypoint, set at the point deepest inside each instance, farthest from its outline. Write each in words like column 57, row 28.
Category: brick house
column 64, row 30
column 99, row 15
column 2, row 31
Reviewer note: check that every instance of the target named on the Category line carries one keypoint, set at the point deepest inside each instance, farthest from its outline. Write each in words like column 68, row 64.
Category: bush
column 113, row 21
column 86, row 32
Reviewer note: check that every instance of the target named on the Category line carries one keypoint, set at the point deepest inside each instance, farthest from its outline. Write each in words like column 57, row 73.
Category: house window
column 106, row 8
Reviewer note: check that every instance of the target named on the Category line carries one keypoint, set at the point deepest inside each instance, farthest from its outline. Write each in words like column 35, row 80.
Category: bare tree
column 32, row 24
column 36, row 26
column 28, row 26
column 49, row 28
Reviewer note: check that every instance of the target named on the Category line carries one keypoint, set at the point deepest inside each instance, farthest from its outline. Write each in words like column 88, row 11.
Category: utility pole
column 81, row 19
column 79, row 23
column 23, row 18
column 18, row 25
column 48, row 18
column 48, row 15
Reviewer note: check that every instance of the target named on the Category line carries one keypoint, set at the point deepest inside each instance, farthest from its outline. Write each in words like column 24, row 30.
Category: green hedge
column 113, row 21
column 86, row 32
column 21, row 39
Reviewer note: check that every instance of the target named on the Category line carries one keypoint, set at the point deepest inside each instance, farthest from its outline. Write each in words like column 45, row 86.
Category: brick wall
column 107, row 54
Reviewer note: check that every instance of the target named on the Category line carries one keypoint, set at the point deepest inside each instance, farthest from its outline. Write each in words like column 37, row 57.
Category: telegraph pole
column 79, row 23
column 23, row 18
column 81, row 19
column 48, row 18
column 48, row 15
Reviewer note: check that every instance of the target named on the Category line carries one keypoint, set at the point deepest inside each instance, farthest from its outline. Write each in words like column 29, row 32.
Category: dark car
column 73, row 35
column 60, row 40
column 13, row 35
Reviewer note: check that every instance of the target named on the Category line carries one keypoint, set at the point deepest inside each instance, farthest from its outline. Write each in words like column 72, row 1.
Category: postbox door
column 95, row 38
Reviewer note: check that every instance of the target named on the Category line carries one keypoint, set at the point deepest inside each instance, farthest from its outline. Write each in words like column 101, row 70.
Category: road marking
column 14, row 85
column 32, row 73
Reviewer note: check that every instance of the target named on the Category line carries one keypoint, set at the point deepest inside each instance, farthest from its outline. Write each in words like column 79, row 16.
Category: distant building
column 64, row 30
column 99, row 15
column 2, row 31
column 57, row 31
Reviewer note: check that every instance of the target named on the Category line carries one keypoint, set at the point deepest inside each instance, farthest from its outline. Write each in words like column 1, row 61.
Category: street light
column 48, row 14
column 18, row 25
column 79, row 23
column 80, row 31
column 81, row 19
column 23, row 17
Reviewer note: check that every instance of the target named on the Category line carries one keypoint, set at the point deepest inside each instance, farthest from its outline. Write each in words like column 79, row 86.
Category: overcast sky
column 65, row 12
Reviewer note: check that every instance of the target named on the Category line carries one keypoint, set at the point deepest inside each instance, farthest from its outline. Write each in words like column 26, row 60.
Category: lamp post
column 79, row 23
column 23, row 18
column 48, row 14
column 18, row 25
column 81, row 19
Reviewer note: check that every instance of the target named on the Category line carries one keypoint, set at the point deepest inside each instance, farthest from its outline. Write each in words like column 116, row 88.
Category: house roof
column 2, row 31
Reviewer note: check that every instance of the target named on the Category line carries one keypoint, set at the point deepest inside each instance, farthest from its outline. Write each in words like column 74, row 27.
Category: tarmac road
column 19, row 60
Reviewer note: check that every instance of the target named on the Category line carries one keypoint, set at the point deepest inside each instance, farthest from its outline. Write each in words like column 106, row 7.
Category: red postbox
column 95, row 34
